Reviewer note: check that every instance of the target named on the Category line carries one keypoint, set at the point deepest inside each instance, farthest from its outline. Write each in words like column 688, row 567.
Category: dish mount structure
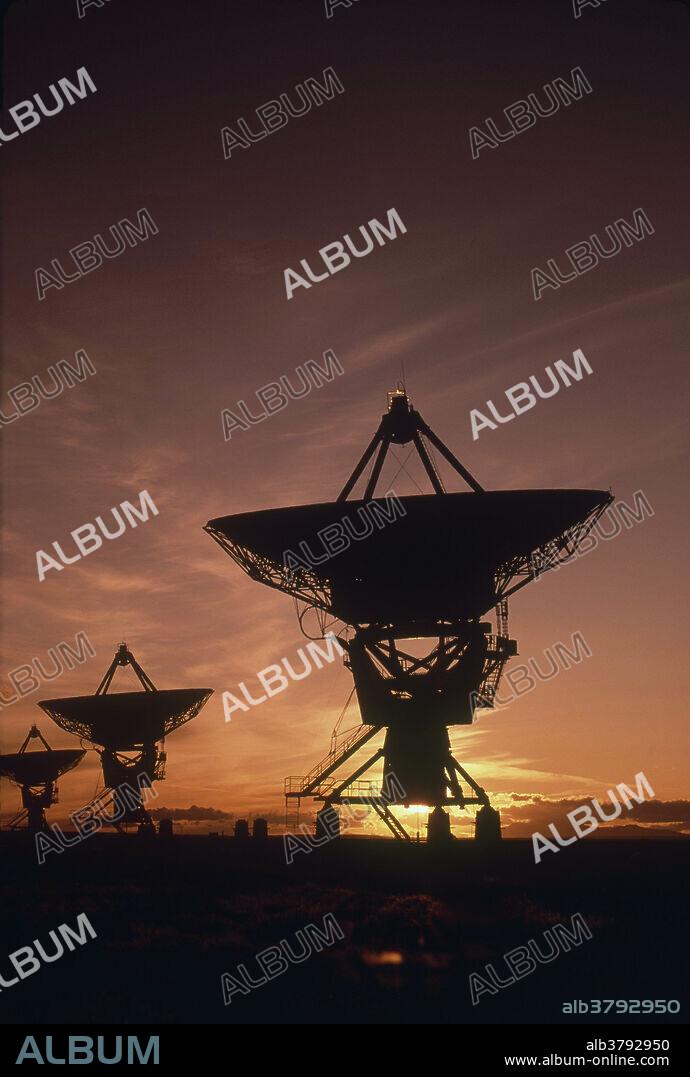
column 128, row 729
column 412, row 591
column 36, row 774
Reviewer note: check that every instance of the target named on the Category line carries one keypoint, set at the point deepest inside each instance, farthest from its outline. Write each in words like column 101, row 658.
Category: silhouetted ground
column 171, row 916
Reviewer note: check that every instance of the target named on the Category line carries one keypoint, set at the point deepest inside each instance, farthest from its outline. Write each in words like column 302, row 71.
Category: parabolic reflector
column 441, row 559
column 39, row 768
column 125, row 720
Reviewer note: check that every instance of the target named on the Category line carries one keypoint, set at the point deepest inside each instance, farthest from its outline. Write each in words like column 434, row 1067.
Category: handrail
column 337, row 751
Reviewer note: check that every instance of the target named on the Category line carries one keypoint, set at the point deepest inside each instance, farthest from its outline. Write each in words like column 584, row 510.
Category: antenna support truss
column 124, row 657
column 400, row 425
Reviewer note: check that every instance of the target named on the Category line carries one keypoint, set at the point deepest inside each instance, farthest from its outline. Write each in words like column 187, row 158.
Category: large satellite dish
column 36, row 774
column 434, row 567
column 447, row 557
column 39, row 768
column 126, row 720
column 126, row 728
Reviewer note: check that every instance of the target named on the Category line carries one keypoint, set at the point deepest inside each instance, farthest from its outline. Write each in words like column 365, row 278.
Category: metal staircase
column 500, row 648
column 18, row 820
column 104, row 800
column 318, row 781
column 386, row 815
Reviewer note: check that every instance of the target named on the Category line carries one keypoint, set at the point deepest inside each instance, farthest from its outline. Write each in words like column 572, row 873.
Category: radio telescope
column 412, row 594
column 127, row 728
column 36, row 774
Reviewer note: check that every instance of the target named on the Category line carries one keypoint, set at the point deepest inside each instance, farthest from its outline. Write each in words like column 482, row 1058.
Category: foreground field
column 172, row 916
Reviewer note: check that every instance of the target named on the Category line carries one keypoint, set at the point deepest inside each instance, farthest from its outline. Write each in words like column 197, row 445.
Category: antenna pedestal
column 35, row 801
column 126, row 728
column 416, row 698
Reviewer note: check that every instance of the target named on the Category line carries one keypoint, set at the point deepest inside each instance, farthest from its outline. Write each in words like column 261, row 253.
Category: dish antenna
column 413, row 594
column 126, row 728
column 36, row 774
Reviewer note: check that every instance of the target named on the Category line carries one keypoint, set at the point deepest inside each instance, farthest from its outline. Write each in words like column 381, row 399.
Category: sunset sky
column 196, row 318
